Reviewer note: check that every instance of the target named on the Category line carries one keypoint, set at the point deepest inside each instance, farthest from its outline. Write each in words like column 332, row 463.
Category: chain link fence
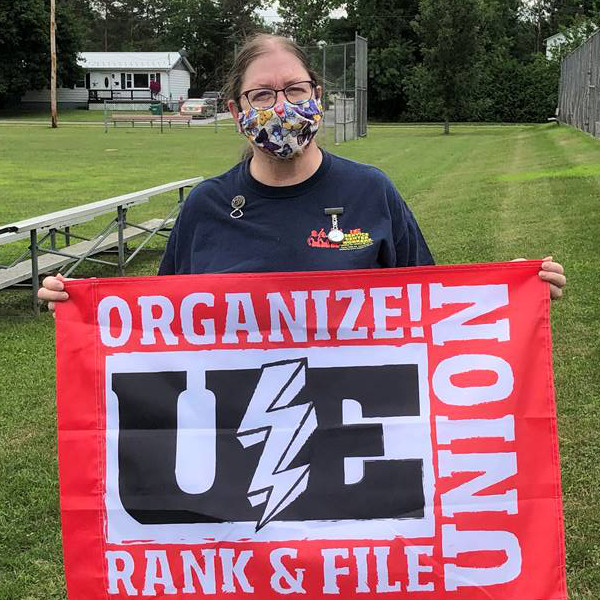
column 343, row 71
column 579, row 94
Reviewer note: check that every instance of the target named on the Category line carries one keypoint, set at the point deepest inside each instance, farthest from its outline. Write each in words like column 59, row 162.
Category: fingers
column 557, row 279
column 52, row 291
column 555, row 292
column 553, row 273
column 552, row 267
column 54, row 284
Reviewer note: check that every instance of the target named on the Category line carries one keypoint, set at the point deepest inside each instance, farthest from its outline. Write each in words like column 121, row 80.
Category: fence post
column 323, row 99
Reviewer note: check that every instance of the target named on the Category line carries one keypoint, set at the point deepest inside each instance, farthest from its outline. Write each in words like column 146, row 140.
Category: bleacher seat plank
column 48, row 263
column 86, row 212
column 10, row 237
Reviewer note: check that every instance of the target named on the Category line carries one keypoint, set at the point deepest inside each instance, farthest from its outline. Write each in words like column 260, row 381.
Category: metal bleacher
column 46, row 255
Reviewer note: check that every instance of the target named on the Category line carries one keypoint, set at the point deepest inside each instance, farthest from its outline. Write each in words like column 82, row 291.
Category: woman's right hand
column 53, row 290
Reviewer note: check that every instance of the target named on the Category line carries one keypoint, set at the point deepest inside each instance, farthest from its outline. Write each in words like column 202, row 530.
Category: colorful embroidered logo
column 355, row 239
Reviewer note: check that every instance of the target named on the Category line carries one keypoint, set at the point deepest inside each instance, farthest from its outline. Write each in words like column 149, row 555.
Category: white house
column 554, row 41
column 121, row 77
column 580, row 32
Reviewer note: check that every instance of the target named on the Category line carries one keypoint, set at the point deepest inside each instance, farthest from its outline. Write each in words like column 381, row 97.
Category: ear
column 235, row 112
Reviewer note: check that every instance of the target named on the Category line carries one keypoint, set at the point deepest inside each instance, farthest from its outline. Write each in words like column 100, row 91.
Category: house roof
column 581, row 29
column 163, row 61
column 556, row 36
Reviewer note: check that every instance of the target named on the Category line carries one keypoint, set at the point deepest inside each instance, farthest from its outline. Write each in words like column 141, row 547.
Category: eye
column 298, row 92
column 261, row 95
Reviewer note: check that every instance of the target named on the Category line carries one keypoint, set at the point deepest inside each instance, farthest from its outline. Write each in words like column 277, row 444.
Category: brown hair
column 256, row 46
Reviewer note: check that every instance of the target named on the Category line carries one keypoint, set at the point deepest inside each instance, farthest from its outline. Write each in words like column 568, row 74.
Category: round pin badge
column 237, row 203
column 336, row 236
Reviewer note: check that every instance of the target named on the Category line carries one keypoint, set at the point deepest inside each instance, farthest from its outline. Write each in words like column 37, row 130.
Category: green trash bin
column 155, row 109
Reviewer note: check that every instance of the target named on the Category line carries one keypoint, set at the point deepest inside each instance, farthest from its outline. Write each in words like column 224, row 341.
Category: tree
column 241, row 18
column 25, row 45
column 564, row 14
column 450, row 43
column 209, row 32
column 306, row 21
column 127, row 25
column 199, row 27
column 577, row 33
column 393, row 51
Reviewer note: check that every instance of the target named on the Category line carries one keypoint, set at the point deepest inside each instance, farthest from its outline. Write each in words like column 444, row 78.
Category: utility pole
column 53, row 64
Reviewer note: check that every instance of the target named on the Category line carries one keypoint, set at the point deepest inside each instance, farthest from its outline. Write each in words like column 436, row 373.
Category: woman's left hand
column 554, row 274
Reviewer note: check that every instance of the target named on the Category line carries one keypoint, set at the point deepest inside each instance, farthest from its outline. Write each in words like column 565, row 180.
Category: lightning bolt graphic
column 284, row 430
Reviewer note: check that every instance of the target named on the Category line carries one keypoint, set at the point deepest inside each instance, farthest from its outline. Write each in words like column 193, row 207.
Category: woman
column 290, row 206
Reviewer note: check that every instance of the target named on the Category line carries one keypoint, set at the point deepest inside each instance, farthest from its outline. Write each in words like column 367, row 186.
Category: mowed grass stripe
column 443, row 179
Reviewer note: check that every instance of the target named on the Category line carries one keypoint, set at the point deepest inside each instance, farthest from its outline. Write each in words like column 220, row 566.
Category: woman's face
column 275, row 69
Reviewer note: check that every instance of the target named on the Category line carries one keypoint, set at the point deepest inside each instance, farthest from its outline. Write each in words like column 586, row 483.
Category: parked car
column 212, row 95
column 197, row 108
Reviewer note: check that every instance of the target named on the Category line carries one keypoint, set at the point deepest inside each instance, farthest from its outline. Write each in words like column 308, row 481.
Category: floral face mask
column 284, row 130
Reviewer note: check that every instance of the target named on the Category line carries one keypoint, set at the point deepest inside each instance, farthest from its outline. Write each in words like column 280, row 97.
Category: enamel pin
column 237, row 203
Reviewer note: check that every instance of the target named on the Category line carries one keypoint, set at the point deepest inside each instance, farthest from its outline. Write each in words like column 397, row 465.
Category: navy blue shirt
column 285, row 228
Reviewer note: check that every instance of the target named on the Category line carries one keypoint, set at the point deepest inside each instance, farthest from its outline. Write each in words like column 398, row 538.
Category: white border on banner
column 412, row 439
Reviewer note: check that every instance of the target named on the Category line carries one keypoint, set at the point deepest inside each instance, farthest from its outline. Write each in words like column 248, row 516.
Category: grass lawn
column 480, row 194
column 67, row 115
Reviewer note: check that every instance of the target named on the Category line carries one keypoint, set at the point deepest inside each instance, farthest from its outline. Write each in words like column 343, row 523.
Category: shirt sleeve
column 411, row 248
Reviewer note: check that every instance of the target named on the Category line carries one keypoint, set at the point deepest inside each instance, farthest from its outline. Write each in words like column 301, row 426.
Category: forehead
column 276, row 68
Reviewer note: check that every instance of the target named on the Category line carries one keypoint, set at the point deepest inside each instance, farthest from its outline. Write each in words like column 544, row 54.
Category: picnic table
column 45, row 255
column 133, row 119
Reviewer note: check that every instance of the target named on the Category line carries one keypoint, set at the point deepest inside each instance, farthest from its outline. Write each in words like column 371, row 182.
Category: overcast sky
column 270, row 14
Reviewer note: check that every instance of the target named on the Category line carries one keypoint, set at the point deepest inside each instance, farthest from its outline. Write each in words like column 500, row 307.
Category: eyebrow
column 285, row 83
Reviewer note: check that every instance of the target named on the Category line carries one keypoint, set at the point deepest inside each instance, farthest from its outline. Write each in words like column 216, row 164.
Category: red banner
column 313, row 435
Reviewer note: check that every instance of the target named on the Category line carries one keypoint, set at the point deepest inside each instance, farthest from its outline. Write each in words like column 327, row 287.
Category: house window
column 126, row 81
column 155, row 77
column 80, row 83
column 140, row 80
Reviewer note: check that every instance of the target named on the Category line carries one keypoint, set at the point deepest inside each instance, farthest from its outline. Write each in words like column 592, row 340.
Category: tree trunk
column 446, row 127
